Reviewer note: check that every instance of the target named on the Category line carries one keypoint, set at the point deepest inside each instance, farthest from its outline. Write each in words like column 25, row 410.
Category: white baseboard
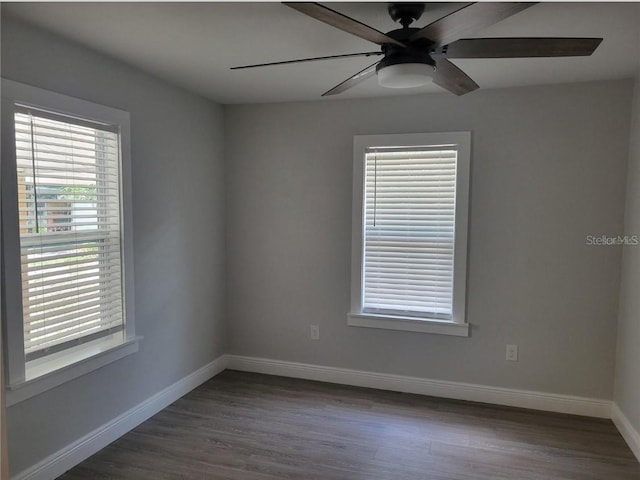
column 630, row 434
column 61, row 461
column 438, row 388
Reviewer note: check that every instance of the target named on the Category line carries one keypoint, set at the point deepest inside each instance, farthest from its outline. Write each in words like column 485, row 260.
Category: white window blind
column 70, row 230
column 409, row 231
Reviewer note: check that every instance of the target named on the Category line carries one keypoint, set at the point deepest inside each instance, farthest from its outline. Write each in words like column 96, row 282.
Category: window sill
column 69, row 364
column 408, row 324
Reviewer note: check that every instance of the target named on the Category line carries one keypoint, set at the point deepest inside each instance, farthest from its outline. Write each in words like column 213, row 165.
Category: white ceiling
column 194, row 44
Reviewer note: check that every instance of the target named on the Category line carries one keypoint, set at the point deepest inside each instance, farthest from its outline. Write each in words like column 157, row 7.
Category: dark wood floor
column 242, row 426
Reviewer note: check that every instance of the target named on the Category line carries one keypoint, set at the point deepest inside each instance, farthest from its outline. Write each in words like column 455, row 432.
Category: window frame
column 78, row 360
column 458, row 325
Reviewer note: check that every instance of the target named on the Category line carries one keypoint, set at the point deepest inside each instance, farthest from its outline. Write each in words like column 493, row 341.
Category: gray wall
column 178, row 208
column 627, row 384
column 548, row 169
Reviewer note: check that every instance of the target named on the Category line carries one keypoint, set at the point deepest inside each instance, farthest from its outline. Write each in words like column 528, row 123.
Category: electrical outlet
column 314, row 332
column 512, row 353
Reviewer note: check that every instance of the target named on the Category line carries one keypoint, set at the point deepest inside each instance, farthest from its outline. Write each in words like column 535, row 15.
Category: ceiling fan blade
column 451, row 78
column 342, row 22
column 468, row 21
column 518, row 47
column 313, row 59
column 361, row 76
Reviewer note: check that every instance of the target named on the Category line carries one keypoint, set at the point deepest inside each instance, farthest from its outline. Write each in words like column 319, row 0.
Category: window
column 65, row 212
column 410, row 232
column 69, row 220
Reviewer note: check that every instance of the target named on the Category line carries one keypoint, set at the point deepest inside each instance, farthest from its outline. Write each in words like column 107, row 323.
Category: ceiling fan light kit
column 413, row 57
column 405, row 75
column 408, row 65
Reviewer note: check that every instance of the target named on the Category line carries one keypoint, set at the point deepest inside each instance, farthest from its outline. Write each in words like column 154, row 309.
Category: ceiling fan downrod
column 405, row 13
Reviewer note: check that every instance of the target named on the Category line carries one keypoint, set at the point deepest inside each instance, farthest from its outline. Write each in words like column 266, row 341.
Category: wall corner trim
column 438, row 388
column 628, row 432
column 56, row 464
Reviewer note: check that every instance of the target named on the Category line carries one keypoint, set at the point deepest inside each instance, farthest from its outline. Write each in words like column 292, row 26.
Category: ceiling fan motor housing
column 415, row 52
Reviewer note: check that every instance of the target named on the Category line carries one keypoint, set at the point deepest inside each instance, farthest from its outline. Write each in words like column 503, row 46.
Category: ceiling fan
column 414, row 56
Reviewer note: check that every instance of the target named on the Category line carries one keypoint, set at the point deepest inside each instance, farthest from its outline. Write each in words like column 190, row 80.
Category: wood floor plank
column 243, row 426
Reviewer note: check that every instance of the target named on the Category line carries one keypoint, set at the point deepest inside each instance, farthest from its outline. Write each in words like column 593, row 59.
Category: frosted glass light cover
column 405, row 75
